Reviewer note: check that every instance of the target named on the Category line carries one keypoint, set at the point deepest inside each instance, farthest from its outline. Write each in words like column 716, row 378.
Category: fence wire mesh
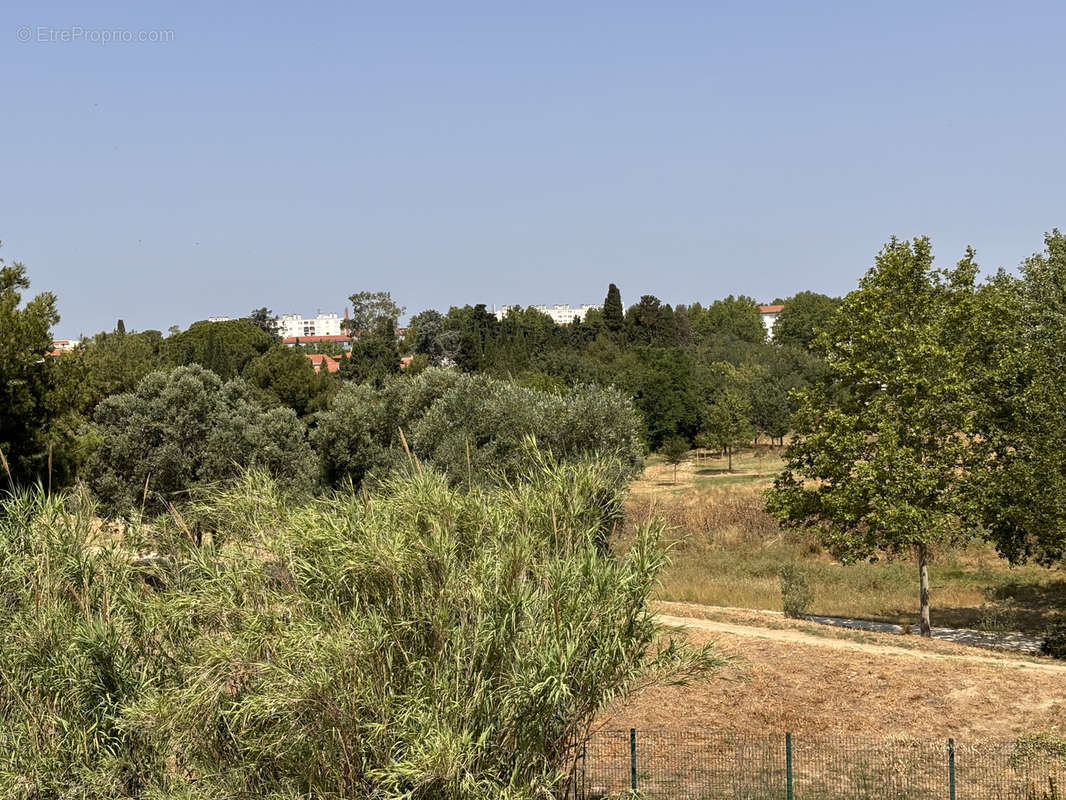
column 667, row 765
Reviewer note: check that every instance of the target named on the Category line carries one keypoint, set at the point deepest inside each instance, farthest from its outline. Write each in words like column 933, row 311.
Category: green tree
column 882, row 446
column 469, row 337
column 264, row 319
column 613, row 314
column 649, row 322
column 471, row 427
column 731, row 317
column 802, row 317
column 26, row 374
column 186, row 428
column 374, row 357
column 675, row 450
column 107, row 364
column 225, row 348
column 285, row 376
column 1020, row 337
column 767, row 395
column 727, row 424
column 424, row 329
column 662, row 383
column 369, row 309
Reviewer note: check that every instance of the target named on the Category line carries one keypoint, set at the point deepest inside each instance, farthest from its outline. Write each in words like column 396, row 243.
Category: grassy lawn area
column 728, row 552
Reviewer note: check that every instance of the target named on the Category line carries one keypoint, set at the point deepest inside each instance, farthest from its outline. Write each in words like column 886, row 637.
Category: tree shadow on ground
column 1034, row 606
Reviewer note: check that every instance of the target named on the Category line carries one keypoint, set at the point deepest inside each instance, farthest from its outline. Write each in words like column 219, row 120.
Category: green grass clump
column 421, row 641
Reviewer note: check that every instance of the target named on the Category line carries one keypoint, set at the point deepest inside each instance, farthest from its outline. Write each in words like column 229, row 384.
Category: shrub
column 470, row 427
column 796, row 594
column 423, row 641
column 185, row 428
column 998, row 617
column 1054, row 643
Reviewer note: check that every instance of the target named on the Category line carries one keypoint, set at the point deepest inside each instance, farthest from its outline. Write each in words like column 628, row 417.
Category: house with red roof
column 769, row 317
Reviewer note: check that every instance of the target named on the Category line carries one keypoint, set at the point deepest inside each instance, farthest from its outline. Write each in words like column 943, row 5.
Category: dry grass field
column 728, row 552
column 806, row 685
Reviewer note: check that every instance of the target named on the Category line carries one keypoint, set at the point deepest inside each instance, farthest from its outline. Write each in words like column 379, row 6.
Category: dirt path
column 798, row 637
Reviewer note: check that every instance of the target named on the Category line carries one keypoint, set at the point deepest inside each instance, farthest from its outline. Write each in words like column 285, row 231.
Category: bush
column 423, row 641
column 185, row 428
column 1054, row 643
column 998, row 617
column 470, row 427
column 796, row 595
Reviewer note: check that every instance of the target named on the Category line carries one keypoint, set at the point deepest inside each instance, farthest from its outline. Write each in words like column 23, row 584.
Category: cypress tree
column 613, row 315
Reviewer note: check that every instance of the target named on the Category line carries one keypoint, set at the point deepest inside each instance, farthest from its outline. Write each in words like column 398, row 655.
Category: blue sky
column 290, row 154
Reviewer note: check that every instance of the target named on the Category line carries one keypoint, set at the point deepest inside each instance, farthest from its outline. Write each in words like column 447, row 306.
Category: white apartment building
column 560, row 314
column 296, row 325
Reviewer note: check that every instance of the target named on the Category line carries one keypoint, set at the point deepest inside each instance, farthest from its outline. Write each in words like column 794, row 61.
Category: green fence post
column 951, row 769
column 633, row 759
column 788, row 766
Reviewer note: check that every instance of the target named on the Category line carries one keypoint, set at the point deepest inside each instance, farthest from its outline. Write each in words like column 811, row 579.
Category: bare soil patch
column 790, row 679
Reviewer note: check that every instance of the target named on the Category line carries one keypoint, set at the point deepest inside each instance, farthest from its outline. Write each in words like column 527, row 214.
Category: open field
column 805, row 683
column 728, row 552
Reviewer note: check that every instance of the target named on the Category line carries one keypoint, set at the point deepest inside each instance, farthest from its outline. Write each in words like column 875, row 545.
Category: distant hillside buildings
column 331, row 328
column 297, row 326
column 560, row 314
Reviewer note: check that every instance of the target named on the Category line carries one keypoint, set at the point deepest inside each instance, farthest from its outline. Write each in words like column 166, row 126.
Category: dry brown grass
column 728, row 550
column 812, row 690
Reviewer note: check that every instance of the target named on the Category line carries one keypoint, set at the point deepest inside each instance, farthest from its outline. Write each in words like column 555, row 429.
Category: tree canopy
column 225, row 348
column 882, row 440
column 186, row 428
column 803, row 315
column 26, row 377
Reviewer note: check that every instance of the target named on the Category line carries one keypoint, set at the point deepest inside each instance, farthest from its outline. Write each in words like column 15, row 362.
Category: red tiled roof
column 770, row 309
column 311, row 339
column 318, row 360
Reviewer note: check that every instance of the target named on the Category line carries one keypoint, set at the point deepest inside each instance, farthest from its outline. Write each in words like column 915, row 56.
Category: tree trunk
column 729, row 457
column 925, row 628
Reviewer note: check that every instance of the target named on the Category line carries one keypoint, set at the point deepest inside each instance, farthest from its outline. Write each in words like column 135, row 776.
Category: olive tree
column 186, row 428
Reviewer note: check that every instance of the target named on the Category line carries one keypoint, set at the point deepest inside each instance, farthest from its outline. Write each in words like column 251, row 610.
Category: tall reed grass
column 420, row 641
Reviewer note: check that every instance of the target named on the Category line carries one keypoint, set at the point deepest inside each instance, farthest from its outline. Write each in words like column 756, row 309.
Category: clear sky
column 290, row 154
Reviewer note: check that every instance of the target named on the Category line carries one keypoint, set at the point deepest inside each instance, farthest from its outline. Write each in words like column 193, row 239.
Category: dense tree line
column 667, row 373
column 676, row 363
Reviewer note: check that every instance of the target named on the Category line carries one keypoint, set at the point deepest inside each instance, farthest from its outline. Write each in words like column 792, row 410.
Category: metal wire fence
column 668, row 765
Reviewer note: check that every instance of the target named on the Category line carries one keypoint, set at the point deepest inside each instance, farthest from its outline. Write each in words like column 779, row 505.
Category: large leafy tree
column 882, row 443
column 728, row 318
column 369, row 309
column 649, row 322
column 802, row 317
column 285, row 376
column 264, row 319
column 375, row 356
column 25, row 372
column 662, row 382
column 107, row 364
column 225, row 348
column 1020, row 334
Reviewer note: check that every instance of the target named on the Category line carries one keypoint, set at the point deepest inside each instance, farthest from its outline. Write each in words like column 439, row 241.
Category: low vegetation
column 728, row 551
column 418, row 641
